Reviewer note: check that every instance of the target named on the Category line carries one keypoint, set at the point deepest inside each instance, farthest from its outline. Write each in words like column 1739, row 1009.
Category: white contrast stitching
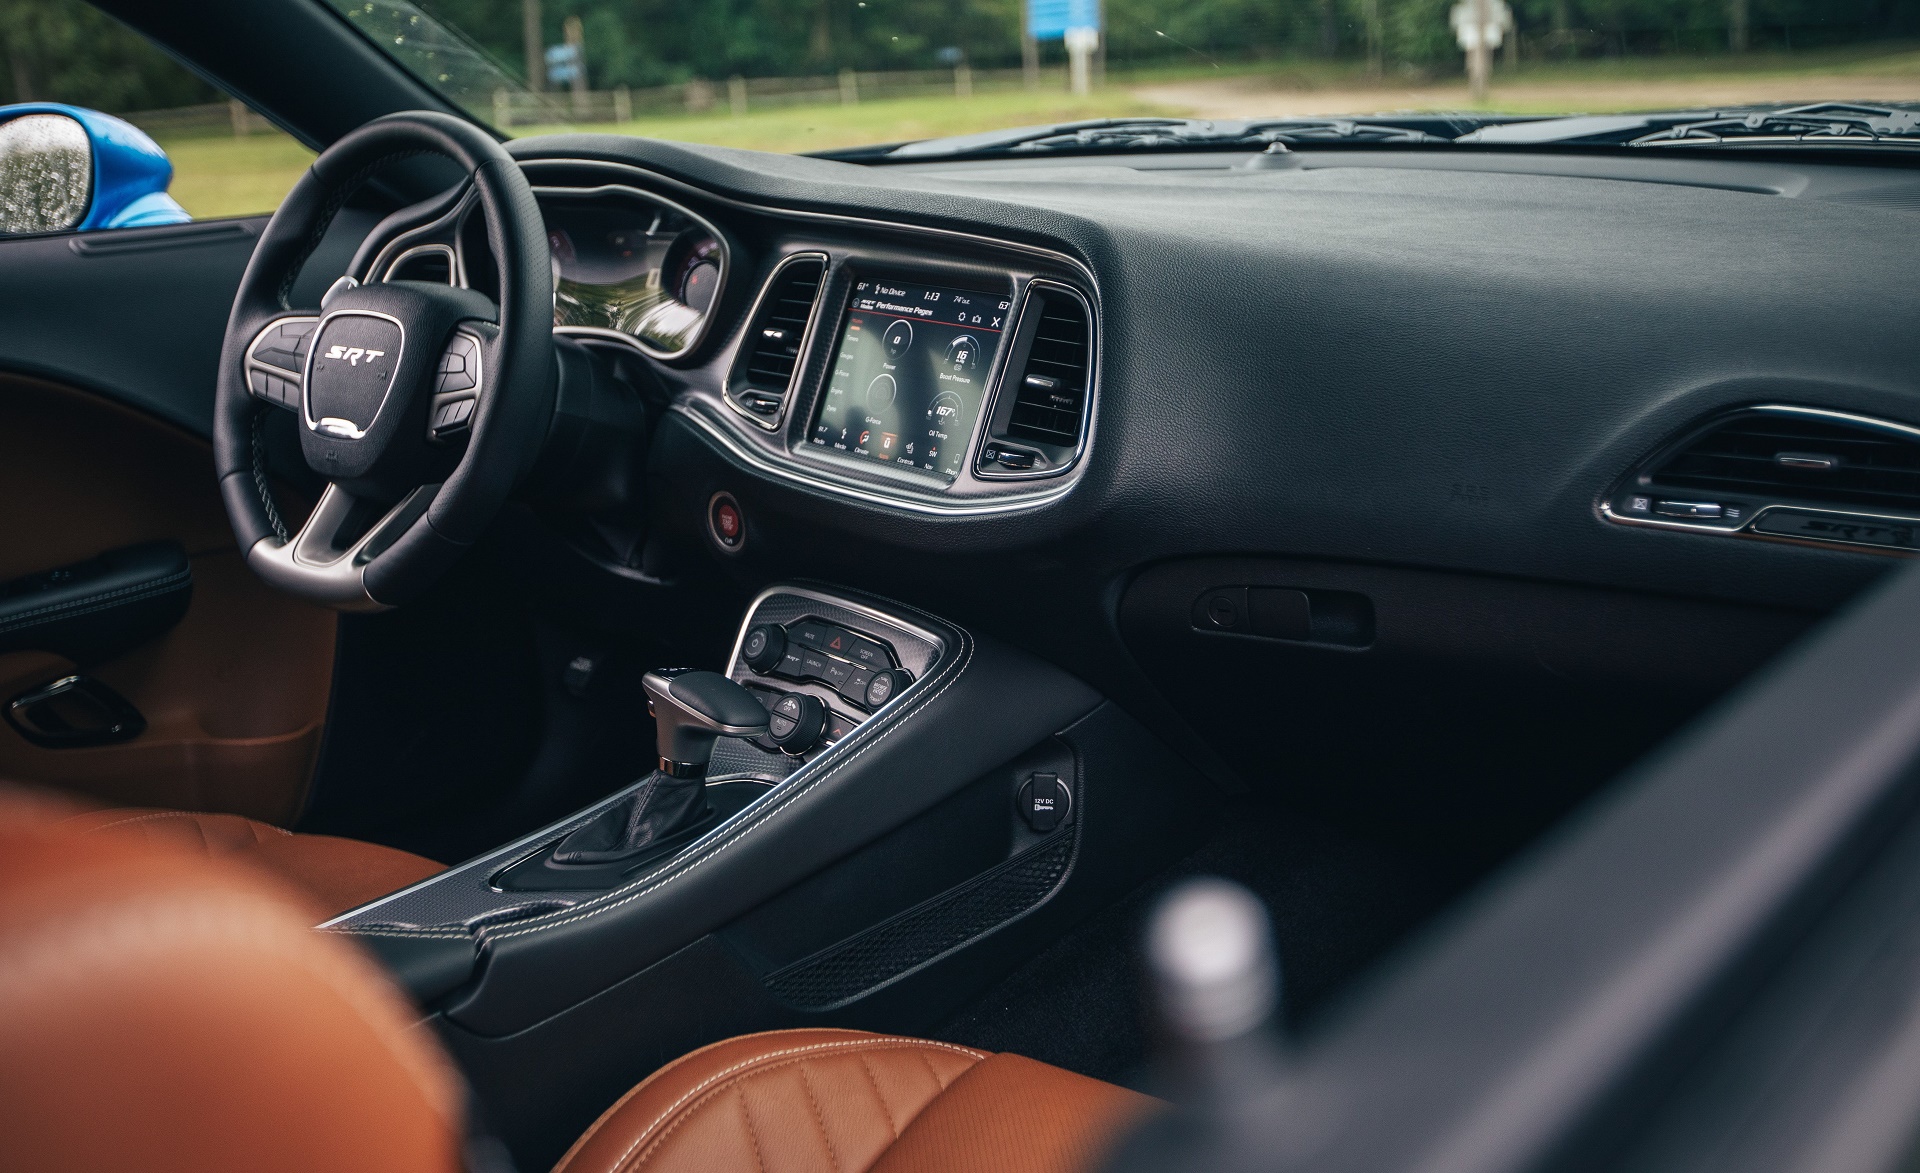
column 98, row 602
column 654, row 884
column 148, row 818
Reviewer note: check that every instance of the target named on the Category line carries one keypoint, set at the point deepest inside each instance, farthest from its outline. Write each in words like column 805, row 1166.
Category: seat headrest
column 162, row 1011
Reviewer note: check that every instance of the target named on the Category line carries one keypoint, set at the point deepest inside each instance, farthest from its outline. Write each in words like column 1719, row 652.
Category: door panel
column 236, row 695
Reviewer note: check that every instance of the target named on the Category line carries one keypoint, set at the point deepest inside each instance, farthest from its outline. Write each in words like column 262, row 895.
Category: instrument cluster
column 629, row 264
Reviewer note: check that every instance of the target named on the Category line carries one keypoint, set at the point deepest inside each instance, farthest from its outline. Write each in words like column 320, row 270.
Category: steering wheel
column 421, row 404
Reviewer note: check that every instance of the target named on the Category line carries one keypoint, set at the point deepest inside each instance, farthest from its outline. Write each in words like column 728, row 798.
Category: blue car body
column 130, row 171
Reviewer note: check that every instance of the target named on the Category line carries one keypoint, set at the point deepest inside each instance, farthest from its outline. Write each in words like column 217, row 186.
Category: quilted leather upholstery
column 334, row 874
column 171, row 1013
column 836, row 1101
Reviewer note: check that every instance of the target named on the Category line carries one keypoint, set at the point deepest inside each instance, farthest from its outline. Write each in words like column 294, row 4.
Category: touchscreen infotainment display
column 909, row 374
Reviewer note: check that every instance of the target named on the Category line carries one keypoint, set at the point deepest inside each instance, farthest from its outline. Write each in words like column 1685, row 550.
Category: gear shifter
column 691, row 710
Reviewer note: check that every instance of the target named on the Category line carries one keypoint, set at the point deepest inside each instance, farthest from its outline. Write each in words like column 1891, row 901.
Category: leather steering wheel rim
column 422, row 534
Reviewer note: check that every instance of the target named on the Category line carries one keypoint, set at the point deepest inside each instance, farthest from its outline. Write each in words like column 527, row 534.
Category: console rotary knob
column 796, row 722
column 764, row 646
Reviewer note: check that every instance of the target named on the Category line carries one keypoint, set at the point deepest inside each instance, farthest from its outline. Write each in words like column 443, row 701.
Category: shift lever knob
column 692, row 708
column 1211, row 953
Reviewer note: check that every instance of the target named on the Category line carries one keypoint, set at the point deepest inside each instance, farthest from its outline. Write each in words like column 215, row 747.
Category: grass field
column 224, row 176
column 816, row 128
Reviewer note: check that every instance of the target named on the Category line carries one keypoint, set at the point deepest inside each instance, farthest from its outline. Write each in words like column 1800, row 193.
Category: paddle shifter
column 690, row 710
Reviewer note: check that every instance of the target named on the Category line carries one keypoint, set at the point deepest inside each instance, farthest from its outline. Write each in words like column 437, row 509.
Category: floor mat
column 1337, row 904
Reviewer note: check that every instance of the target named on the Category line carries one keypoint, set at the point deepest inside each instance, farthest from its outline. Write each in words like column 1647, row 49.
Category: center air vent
column 1041, row 417
column 1789, row 472
column 770, row 354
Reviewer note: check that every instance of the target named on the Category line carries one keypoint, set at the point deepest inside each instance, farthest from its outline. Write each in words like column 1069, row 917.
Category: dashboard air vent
column 1051, row 396
column 1801, row 458
column 1802, row 474
column 772, row 347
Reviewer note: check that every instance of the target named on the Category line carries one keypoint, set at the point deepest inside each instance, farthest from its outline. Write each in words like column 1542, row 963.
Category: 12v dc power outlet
column 1043, row 801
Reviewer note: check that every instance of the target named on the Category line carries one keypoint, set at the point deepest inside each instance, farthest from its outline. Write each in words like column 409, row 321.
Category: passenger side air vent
column 771, row 352
column 1787, row 472
column 1041, row 415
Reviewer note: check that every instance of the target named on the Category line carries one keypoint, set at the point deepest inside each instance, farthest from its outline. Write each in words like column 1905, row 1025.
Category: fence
column 214, row 118
column 738, row 95
column 735, row 95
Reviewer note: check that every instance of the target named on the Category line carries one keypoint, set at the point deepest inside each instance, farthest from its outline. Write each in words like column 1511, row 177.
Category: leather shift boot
column 662, row 808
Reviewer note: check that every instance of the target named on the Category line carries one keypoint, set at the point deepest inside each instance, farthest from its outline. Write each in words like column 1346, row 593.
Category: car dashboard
column 1487, row 444
column 933, row 372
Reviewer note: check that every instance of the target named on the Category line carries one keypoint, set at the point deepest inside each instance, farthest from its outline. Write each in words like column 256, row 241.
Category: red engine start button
column 725, row 522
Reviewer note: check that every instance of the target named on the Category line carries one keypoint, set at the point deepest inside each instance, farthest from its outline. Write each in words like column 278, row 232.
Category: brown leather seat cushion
column 842, row 1101
column 164, row 1006
column 167, row 1012
column 335, row 874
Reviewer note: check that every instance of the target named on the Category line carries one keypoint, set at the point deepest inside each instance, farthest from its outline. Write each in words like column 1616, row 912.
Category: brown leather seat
column 843, row 1101
column 169, row 1009
column 335, row 874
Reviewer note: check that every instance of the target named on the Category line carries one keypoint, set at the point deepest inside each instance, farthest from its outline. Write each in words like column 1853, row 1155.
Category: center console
column 865, row 805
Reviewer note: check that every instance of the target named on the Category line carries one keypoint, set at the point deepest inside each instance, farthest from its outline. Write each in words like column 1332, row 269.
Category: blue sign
column 563, row 63
column 1049, row 20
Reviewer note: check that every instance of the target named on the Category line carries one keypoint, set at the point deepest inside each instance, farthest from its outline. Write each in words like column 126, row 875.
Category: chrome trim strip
column 1904, row 431
column 456, row 272
column 1607, row 513
column 384, row 260
column 806, row 338
column 313, row 350
column 1824, row 415
column 893, row 621
column 960, row 507
column 1000, row 385
column 719, row 239
column 1090, row 296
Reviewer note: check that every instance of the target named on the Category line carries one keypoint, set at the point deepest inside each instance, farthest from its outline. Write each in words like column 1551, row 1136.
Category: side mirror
column 66, row 169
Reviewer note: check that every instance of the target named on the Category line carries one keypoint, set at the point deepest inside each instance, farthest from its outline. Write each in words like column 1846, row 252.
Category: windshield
column 860, row 77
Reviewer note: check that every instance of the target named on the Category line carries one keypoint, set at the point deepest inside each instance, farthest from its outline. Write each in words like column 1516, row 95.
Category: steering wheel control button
column 1043, row 802
column 726, row 524
column 285, row 346
column 884, row 686
column 459, row 366
column 764, row 647
column 796, row 722
column 451, row 418
column 273, row 388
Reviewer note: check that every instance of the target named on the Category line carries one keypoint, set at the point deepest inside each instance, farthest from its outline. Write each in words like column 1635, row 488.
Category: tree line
column 66, row 50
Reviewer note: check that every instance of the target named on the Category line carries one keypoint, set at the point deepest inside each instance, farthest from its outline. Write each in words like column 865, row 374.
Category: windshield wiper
column 1101, row 135
column 1820, row 124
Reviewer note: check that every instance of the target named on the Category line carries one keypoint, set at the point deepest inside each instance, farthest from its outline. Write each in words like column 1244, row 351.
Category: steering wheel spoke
column 325, row 560
column 277, row 360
